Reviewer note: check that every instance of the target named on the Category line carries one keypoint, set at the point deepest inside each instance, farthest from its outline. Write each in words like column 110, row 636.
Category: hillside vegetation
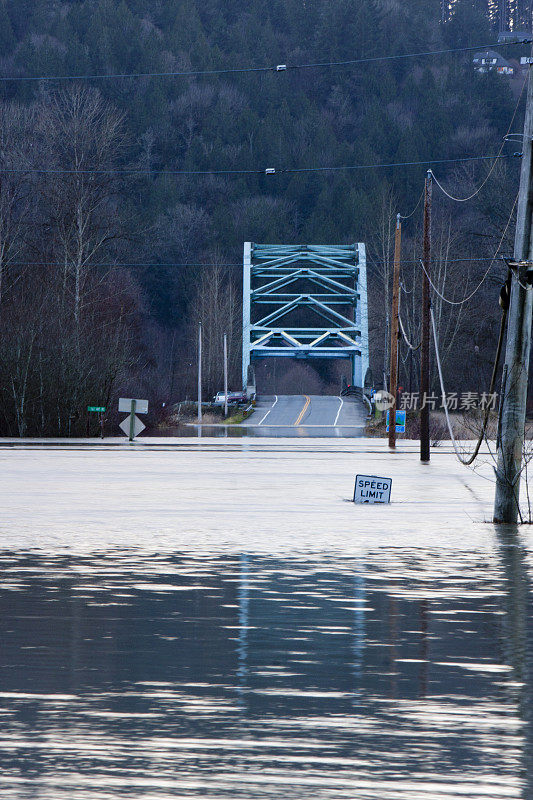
column 104, row 275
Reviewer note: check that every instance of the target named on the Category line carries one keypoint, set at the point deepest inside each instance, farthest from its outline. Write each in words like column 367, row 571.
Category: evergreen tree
column 7, row 37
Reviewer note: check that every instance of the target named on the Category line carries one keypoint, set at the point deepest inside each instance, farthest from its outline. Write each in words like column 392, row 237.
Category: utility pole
column 225, row 375
column 199, row 373
column 514, row 386
column 393, row 388
column 426, row 301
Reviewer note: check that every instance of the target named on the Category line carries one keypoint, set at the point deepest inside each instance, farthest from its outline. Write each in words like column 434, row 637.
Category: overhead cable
column 403, row 286
column 482, row 281
column 222, row 264
column 470, row 460
column 407, row 342
column 493, row 167
column 268, row 171
column 408, row 216
column 241, row 70
column 117, row 264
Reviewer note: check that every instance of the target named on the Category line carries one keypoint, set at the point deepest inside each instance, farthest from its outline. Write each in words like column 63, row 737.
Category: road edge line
column 269, row 410
column 338, row 412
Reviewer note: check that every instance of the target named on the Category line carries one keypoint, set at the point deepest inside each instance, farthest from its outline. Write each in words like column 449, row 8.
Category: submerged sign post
column 132, row 425
column 372, row 489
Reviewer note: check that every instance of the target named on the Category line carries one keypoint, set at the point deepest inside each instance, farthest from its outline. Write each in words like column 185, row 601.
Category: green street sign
column 99, row 409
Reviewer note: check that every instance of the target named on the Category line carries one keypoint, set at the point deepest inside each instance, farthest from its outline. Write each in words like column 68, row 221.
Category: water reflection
column 257, row 432
column 405, row 675
column 516, row 639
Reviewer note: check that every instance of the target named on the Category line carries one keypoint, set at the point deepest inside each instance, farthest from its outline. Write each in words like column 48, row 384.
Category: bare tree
column 68, row 332
column 16, row 123
column 82, row 137
column 381, row 264
column 217, row 306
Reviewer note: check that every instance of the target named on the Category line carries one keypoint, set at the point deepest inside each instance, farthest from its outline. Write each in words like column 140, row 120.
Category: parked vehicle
column 238, row 397
column 234, row 398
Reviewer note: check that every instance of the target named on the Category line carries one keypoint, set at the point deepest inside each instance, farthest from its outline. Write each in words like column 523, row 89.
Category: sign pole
column 131, row 425
column 132, row 420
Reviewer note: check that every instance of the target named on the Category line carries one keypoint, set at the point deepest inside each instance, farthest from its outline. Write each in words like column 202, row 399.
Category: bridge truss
column 305, row 302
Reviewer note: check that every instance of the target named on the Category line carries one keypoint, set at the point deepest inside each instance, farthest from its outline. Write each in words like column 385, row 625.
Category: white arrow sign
column 138, row 426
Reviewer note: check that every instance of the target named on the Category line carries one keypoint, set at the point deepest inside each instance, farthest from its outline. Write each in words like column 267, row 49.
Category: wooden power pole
column 426, row 301
column 516, row 370
column 393, row 388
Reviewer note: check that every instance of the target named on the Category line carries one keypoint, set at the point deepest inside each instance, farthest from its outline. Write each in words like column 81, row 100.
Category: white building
column 491, row 61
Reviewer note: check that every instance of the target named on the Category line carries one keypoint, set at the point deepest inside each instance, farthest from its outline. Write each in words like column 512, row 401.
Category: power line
column 116, row 264
column 407, row 342
column 267, row 171
column 493, row 167
column 241, row 70
column 220, row 264
column 408, row 216
column 470, row 459
column 471, row 259
column 483, row 279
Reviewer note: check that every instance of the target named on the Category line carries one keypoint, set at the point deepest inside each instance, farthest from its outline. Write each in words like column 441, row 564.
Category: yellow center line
column 304, row 409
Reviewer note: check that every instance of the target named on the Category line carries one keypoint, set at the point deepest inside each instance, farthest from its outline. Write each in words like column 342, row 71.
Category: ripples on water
column 403, row 675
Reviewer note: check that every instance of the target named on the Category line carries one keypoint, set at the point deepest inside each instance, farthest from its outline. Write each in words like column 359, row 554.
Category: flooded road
column 397, row 673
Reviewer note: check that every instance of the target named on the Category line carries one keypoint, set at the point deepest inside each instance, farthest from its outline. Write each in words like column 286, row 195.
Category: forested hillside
column 103, row 275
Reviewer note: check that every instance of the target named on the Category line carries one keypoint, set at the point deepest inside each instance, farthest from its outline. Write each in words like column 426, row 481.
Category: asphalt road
column 307, row 411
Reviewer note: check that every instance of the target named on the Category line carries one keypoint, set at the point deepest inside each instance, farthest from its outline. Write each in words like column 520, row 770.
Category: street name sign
column 141, row 406
column 99, row 409
column 372, row 489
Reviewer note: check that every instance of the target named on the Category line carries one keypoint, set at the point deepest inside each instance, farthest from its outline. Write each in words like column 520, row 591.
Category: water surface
column 401, row 674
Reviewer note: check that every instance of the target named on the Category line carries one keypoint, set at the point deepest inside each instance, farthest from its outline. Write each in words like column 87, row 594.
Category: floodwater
column 259, row 431
column 402, row 674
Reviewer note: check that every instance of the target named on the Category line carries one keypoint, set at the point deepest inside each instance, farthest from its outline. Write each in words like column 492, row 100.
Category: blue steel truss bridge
column 305, row 302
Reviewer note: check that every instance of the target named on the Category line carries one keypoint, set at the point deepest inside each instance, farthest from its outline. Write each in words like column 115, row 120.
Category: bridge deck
column 300, row 411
